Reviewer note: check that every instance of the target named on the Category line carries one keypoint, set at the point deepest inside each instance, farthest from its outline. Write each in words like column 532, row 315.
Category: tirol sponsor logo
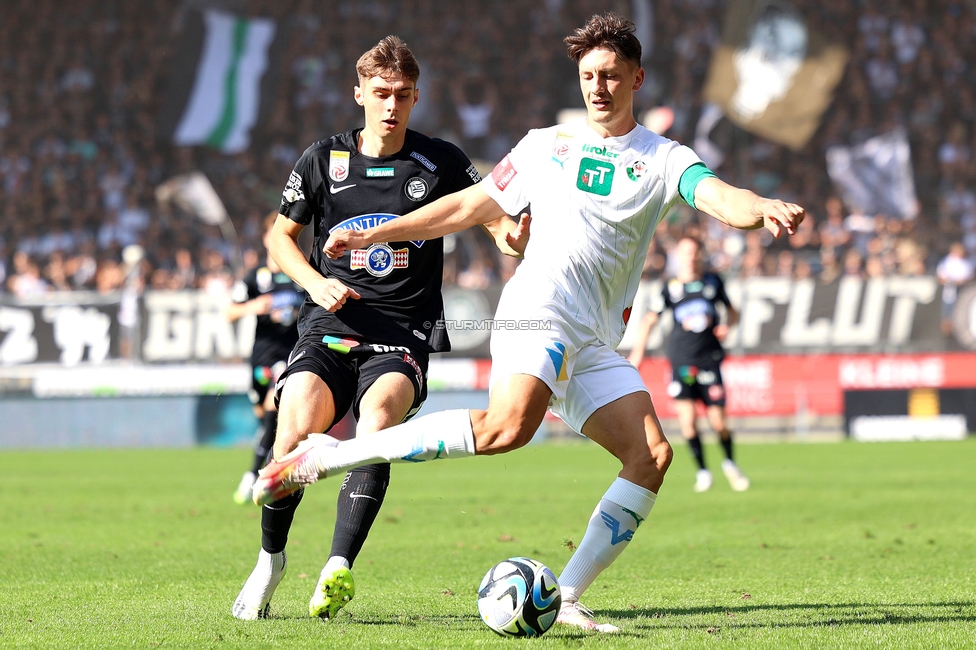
column 338, row 165
column 379, row 172
column 364, row 221
column 595, row 177
column 503, row 173
column 599, row 151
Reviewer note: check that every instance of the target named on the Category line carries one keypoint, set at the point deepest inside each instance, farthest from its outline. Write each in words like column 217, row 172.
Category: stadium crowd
column 81, row 150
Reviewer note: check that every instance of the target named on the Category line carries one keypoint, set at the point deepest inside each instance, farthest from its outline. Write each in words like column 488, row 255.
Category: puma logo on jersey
column 335, row 190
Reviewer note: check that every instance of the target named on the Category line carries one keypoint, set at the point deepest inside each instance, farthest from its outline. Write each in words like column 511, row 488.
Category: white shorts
column 583, row 375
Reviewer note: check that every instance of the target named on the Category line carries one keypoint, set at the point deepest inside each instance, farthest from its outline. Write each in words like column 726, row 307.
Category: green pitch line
column 836, row 545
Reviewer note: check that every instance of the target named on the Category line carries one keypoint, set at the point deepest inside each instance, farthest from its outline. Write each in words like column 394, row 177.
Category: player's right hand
column 342, row 240
column 330, row 293
column 262, row 304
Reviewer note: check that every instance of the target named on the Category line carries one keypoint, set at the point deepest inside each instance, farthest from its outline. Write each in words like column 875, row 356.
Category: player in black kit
column 695, row 351
column 371, row 317
column 269, row 294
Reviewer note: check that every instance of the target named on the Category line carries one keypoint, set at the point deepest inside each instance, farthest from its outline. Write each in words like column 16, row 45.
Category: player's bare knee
column 663, row 454
column 374, row 421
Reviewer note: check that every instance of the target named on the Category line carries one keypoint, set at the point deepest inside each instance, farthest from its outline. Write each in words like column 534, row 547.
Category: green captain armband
column 690, row 179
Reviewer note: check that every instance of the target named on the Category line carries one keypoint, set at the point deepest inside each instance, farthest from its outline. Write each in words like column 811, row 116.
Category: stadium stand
column 82, row 85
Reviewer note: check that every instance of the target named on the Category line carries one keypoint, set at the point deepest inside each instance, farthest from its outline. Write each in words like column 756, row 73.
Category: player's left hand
column 519, row 236
column 779, row 217
column 342, row 240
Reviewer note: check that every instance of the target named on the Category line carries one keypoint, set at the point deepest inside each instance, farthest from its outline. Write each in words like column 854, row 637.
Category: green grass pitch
column 835, row 546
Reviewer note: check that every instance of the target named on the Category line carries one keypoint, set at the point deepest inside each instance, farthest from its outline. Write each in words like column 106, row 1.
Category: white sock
column 335, row 563
column 612, row 525
column 446, row 434
column 271, row 562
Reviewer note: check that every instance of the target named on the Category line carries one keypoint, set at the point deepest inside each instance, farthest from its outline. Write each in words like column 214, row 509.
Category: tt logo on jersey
column 364, row 221
column 595, row 177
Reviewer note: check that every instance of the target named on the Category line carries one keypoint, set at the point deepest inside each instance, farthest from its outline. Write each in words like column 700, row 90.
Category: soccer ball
column 519, row 597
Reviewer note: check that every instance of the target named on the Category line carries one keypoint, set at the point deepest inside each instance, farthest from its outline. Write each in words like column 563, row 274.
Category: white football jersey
column 595, row 203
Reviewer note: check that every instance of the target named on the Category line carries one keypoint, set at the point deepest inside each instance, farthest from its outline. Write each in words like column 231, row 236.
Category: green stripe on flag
column 219, row 134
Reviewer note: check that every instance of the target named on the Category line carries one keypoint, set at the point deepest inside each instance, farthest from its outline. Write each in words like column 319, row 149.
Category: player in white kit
column 596, row 189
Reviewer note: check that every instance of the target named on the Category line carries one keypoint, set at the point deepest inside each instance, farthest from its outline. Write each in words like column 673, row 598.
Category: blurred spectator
column 954, row 270
column 474, row 102
column 26, row 279
column 830, row 268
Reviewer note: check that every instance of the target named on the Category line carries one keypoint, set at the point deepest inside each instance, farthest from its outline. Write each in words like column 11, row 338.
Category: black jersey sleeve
column 297, row 200
column 663, row 303
column 465, row 173
column 720, row 294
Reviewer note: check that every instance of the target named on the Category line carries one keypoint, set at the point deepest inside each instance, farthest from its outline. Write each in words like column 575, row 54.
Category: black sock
column 725, row 437
column 276, row 521
column 696, row 450
column 358, row 504
column 263, row 448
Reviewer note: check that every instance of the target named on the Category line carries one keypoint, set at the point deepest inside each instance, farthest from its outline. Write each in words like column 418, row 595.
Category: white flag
column 224, row 103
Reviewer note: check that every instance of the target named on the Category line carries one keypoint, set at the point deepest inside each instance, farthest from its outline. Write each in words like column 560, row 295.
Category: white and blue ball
column 519, row 597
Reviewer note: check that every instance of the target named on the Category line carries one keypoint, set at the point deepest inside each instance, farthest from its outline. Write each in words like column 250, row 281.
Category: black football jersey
column 277, row 332
column 334, row 186
column 693, row 305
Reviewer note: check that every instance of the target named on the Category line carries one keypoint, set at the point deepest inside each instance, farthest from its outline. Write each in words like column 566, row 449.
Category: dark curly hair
column 608, row 31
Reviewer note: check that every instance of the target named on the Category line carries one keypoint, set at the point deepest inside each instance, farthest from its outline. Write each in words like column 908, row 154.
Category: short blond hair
column 388, row 58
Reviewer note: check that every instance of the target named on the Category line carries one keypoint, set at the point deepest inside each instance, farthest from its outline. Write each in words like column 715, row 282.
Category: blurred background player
column 269, row 294
column 371, row 319
column 695, row 352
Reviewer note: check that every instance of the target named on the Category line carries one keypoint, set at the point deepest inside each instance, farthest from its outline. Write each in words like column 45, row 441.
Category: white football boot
column 703, row 480
column 738, row 480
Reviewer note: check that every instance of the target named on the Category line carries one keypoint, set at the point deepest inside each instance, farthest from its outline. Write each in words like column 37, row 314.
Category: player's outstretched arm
column 451, row 213
column 256, row 307
column 327, row 292
column 746, row 210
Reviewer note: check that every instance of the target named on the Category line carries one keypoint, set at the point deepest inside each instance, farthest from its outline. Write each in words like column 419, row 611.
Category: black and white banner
column 875, row 177
column 772, row 74
column 778, row 315
column 82, row 327
column 221, row 79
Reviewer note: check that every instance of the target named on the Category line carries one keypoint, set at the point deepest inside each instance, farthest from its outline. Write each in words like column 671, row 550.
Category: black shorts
column 349, row 367
column 702, row 383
